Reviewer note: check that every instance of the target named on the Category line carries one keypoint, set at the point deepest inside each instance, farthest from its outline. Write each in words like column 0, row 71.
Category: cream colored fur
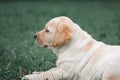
column 81, row 57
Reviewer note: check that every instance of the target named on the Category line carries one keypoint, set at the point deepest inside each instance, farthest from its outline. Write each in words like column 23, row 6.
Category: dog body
column 80, row 57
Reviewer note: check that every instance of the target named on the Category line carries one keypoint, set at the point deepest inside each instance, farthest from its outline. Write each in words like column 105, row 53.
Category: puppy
column 80, row 57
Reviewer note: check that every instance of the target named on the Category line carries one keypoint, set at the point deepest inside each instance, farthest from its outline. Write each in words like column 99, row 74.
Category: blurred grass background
column 20, row 19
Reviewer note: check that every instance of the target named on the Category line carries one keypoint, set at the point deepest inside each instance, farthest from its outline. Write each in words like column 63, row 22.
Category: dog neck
column 61, row 49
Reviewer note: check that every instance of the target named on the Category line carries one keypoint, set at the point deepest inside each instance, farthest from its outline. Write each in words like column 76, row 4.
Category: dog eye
column 47, row 30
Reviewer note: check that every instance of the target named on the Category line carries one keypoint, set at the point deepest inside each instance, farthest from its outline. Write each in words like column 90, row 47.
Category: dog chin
column 43, row 46
column 40, row 45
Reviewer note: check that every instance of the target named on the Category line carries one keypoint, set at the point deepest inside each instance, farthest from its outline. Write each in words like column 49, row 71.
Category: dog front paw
column 33, row 77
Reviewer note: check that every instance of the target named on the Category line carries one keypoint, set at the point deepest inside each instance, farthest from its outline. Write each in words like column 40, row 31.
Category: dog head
column 56, row 33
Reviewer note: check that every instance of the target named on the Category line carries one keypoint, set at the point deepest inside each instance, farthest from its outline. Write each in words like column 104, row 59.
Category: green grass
column 20, row 20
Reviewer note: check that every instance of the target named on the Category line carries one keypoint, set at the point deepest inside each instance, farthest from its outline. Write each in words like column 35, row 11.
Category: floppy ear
column 62, row 35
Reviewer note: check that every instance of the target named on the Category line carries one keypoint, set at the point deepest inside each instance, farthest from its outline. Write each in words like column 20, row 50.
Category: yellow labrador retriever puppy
column 80, row 57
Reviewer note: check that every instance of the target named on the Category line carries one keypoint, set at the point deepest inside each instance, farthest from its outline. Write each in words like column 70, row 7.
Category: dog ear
column 62, row 35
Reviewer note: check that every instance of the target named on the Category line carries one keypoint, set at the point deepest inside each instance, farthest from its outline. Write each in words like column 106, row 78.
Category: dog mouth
column 45, row 46
column 40, row 43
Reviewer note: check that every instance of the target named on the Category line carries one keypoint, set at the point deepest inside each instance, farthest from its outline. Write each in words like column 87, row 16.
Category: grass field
column 19, row 21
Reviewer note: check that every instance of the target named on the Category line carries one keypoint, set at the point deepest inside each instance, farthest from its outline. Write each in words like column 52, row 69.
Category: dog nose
column 35, row 36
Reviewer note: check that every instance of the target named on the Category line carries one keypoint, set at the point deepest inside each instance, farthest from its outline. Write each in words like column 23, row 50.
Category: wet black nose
column 35, row 36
